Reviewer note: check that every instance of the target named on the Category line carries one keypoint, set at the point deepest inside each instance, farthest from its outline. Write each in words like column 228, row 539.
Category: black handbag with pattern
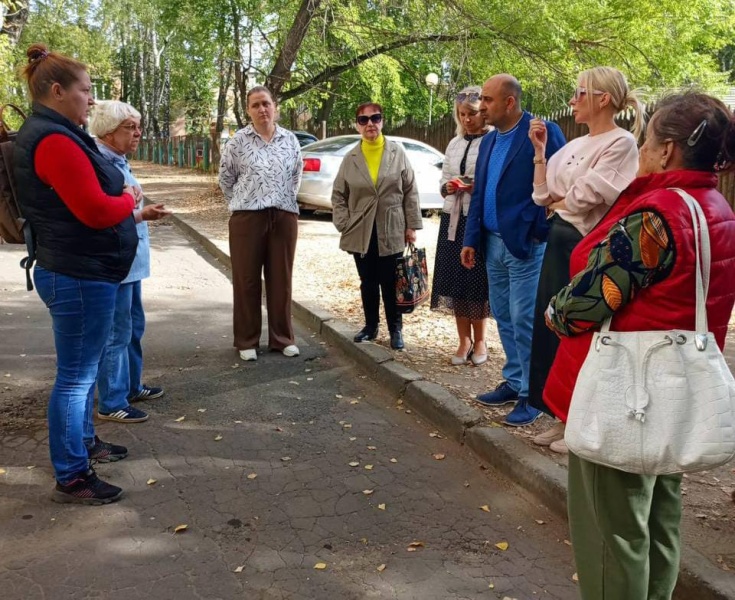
column 412, row 279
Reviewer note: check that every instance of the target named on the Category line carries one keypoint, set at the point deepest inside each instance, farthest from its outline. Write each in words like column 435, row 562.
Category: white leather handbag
column 657, row 402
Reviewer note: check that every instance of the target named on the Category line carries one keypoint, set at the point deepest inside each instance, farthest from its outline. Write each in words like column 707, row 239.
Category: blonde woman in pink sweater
column 578, row 186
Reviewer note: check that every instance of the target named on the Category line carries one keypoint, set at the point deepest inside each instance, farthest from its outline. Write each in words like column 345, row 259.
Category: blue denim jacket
column 141, row 267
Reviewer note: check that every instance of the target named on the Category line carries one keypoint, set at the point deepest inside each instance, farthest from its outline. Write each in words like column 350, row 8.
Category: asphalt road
column 274, row 466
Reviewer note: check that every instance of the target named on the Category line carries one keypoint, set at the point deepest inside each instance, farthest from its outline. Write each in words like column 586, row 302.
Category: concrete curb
column 541, row 476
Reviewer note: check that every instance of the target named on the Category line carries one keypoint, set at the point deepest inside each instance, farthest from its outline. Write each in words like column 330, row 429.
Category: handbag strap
column 703, row 261
column 703, row 257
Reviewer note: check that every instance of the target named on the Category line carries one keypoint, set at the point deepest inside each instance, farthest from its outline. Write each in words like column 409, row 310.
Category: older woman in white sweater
column 578, row 186
column 462, row 292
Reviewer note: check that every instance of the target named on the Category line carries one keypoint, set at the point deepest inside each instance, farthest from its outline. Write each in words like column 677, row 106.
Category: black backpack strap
column 28, row 261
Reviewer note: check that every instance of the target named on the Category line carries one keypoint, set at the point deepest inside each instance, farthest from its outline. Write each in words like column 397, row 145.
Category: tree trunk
column 225, row 75
column 281, row 72
column 13, row 20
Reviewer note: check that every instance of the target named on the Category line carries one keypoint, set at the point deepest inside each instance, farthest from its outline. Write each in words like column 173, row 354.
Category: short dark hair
column 45, row 68
column 255, row 90
column 701, row 126
column 365, row 106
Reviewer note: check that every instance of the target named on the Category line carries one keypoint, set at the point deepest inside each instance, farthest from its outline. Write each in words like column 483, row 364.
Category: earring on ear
column 663, row 164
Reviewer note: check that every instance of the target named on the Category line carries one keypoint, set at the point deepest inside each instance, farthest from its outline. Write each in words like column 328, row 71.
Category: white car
column 322, row 160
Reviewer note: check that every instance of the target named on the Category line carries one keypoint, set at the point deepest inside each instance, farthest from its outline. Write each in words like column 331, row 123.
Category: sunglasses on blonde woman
column 364, row 119
column 468, row 97
column 581, row 91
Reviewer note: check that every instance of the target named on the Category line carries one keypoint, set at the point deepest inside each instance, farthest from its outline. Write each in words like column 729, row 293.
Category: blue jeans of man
column 512, row 284
column 81, row 313
column 122, row 361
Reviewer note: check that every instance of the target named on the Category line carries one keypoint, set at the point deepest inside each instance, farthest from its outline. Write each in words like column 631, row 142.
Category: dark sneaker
column 503, row 394
column 105, row 452
column 129, row 414
column 522, row 414
column 147, row 393
column 87, row 488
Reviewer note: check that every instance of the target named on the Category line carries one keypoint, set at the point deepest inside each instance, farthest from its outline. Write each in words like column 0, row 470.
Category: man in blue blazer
column 509, row 230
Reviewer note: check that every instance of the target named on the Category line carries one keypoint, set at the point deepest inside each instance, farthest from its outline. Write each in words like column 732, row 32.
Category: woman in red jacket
column 638, row 264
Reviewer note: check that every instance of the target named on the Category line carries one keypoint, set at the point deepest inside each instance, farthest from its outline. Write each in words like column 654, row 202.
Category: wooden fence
column 196, row 151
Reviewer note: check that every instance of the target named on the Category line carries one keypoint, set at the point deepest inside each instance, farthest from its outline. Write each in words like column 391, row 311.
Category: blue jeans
column 122, row 361
column 81, row 313
column 513, row 283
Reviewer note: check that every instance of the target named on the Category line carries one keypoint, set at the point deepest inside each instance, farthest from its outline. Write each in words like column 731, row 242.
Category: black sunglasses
column 364, row 119
column 468, row 97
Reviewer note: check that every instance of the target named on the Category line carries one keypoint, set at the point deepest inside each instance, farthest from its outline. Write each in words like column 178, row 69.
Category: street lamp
column 432, row 80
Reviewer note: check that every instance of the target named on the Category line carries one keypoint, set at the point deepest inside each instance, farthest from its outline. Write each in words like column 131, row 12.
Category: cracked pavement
column 296, row 424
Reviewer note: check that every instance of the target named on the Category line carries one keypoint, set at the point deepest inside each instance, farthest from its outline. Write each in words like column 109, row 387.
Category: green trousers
column 625, row 532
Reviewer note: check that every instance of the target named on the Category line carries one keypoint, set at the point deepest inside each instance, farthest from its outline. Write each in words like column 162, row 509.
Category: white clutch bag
column 657, row 402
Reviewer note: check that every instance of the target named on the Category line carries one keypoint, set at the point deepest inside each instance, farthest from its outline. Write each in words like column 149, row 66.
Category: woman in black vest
column 81, row 213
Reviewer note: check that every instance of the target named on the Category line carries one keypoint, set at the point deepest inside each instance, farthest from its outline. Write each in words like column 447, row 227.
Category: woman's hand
column 538, row 136
column 451, row 187
column 154, row 212
column 410, row 236
column 468, row 257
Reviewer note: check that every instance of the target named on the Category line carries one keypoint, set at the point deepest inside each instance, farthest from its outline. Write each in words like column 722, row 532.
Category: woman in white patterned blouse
column 259, row 175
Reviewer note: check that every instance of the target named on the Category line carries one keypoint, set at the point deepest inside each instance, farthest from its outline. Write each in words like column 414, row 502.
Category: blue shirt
column 141, row 267
column 494, row 168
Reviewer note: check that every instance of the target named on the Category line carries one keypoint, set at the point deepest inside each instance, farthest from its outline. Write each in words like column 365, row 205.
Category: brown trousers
column 262, row 241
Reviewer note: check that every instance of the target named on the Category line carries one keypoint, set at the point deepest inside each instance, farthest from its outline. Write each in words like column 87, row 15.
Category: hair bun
column 36, row 52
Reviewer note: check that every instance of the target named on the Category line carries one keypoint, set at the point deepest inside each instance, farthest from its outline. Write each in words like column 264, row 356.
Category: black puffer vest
column 64, row 244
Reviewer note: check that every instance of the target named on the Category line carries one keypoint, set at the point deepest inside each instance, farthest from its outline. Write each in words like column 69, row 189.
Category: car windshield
column 339, row 145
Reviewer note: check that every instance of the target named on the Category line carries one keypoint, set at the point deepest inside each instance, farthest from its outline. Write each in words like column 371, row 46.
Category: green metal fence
column 186, row 151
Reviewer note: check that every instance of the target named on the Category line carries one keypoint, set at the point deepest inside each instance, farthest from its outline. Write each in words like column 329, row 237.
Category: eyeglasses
column 468, row 97
column 364, row 119
column 131, row 127
column 581, row 91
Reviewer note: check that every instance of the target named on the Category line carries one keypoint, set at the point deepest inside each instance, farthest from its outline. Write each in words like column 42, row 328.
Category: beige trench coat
column 392, row 204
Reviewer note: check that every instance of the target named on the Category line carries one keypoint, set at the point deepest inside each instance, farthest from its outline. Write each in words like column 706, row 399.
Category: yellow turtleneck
column 373, row 153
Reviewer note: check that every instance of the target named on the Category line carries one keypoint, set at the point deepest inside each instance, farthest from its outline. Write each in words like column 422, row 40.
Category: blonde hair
column 613, row 82
column 472, row 105
column 108, row 115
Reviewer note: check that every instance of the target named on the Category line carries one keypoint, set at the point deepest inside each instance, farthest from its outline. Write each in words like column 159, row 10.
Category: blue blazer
column 521, row 221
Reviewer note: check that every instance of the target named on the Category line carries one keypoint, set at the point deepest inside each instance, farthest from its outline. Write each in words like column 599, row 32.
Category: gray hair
column 108, row 115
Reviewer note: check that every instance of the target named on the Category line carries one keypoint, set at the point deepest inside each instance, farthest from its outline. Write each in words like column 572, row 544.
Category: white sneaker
column 551, row 435
column 249, row 354
column 291, row 351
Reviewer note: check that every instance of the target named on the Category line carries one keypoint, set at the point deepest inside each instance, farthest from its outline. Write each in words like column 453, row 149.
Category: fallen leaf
column 394, row 460
column 567, row 542
column 2, row 471
column 279, row 429
column 368, row 467
column 502, row 546
column 309, row 379
column 320, row 566
column 408, row 412
column 352, row 439
column 347, row 426
column 239, row 569
column 180, row 528
column 485, row 507
column 252, row 475
column 218, row 437
column 285, row 458
column 438, row 456
column 575, row 577
column 202, row 410
column 414, row 546
column 491, row 586
column 238, row 421
column 180, row 419
column 294, row 382
column 354, row 463
column 367, row 492
column 29, row 467
column 340, row 396
column 381, row 506
column 381, row 568
column 354, row 402
column 372, row 448
column 151, row 481
column 540, row 522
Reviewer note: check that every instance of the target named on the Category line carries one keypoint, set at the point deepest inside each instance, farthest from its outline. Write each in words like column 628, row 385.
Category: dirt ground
column 327, row 276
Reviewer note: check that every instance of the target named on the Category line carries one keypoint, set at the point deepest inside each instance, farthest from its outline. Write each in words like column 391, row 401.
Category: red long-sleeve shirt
column 62, row 164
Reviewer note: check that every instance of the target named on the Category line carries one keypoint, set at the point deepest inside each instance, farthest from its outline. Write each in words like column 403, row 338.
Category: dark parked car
column 305, row 138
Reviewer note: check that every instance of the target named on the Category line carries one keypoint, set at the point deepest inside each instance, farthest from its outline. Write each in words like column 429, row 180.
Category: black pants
column 563, row 237
column 377, row 274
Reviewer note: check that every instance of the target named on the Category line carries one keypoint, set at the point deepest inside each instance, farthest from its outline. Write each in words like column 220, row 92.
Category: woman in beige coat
column 376, row 209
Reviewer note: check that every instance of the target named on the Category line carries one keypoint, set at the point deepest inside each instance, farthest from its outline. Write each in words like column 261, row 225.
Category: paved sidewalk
column 255, row 460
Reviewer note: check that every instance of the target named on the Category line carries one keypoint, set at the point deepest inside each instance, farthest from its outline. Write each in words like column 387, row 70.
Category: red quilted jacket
column 669, row 304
